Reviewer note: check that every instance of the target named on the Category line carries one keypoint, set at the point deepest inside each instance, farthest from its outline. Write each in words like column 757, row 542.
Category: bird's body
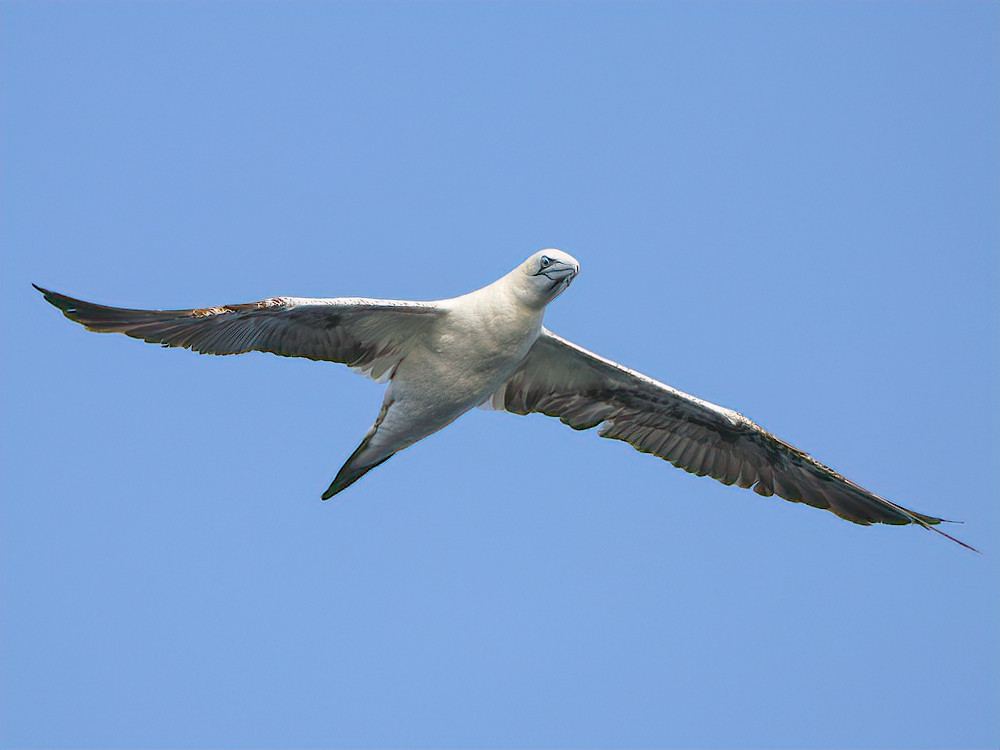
column 458, row 361
column 489, row 348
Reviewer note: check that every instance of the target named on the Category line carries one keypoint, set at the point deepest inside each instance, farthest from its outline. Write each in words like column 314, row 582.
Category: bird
column 488, row 348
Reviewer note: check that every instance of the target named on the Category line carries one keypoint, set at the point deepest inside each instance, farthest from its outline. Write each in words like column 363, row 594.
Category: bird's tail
column 353, row 469
column 359, row 464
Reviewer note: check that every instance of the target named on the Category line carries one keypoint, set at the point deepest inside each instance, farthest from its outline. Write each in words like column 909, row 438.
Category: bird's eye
column 546, row 261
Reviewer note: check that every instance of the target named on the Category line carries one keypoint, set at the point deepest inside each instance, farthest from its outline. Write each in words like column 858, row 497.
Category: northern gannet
column 489, row 348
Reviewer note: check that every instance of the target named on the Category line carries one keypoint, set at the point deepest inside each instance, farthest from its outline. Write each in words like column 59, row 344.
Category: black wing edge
column 100, row 318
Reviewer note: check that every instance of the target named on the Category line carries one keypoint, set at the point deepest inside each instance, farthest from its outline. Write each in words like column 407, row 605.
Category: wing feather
column 582, row 389
column 369, row 335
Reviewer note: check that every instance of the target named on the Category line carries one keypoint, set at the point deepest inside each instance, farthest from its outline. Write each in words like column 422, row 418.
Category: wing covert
column 368, row 335
column 584, row 390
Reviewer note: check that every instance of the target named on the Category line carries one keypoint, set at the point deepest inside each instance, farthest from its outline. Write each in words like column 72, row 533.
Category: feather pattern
column 582, row 389
column 488, row 347
column 334, row 330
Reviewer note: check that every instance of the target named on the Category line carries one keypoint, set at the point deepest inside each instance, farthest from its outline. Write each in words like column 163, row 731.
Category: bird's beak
column 557, row 271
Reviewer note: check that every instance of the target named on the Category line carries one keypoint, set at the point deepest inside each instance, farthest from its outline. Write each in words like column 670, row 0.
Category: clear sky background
column 790, row 209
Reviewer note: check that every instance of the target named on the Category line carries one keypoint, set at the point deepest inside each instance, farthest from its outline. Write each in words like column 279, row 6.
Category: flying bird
column 489, row 348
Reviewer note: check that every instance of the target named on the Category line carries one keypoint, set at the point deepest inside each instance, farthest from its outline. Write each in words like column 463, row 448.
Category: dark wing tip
column 59, row 300
column 101, row 318
column 64, row 303
column 949, row 536
column 47, row 293
column 931, row 523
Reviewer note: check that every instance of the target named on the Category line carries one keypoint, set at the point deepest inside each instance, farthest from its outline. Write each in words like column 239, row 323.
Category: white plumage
column 489, row 348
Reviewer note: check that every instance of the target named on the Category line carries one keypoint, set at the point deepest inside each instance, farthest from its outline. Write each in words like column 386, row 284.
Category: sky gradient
column 790, row 209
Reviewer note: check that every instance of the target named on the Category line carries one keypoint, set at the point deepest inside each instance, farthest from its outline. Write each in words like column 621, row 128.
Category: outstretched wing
column 563, row 380
column 369, row 335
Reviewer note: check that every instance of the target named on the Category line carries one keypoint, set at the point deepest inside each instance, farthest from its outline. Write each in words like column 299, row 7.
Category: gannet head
column 547, row 273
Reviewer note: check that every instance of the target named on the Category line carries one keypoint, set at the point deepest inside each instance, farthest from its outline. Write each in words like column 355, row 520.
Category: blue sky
column 790, row 209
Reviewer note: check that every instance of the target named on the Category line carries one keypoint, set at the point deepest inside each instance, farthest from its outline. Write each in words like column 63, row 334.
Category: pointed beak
column 557, row 271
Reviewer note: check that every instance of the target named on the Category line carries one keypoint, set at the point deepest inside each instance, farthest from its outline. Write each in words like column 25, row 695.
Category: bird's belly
column 457, row 381
column 454, row 374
